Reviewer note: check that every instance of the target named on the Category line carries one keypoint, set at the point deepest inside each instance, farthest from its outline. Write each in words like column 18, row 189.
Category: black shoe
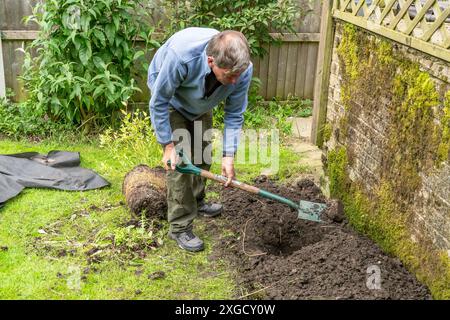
column 209, row 210
column 187, row 240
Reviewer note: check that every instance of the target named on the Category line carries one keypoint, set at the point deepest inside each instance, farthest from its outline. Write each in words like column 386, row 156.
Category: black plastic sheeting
column 56, row 170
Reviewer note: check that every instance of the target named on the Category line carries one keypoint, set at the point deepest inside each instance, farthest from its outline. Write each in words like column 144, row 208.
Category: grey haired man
column 195, row 70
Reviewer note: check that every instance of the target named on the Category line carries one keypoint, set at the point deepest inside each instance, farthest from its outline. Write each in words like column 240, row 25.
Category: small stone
column 138, row 272
column 157, row 275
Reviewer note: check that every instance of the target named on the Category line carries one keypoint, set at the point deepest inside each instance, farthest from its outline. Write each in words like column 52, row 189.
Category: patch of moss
column 384, row 53
column 348, row 54
column 336, row 171
column 327, row 130
column 359, row 57
column 443, row 153
column 348, row 50
column 411, row 138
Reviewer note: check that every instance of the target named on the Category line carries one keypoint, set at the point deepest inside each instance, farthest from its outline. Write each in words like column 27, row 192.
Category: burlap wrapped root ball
column 145, row 191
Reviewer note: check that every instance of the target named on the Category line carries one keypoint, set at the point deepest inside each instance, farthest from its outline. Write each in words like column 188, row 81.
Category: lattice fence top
column 422, row 24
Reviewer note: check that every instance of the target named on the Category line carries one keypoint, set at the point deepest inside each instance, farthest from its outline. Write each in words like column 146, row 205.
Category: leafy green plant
column 134, row 142
column 17, row 119
column 268, row 114
column 254, row 18
column 140, row 236
column 86, row 55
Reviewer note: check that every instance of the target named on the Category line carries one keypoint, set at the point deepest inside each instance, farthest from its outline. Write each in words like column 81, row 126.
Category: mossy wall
column 388, row 144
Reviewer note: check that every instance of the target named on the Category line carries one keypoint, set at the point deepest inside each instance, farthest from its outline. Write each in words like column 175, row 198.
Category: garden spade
column 306, row 210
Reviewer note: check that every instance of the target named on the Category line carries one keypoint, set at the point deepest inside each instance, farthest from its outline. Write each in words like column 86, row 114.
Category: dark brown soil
column 278, row 256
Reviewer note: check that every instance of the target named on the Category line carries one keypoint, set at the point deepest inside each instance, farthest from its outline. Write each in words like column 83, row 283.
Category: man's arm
column 235, row 106
column 163, row 86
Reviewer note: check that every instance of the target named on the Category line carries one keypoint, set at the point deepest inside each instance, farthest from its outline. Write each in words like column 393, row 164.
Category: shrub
column 17, row 119
column 134, row 142
column 254, row 18
column 86, row 54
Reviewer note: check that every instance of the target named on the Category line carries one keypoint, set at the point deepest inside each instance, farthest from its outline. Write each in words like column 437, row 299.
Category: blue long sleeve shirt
column 176, row 77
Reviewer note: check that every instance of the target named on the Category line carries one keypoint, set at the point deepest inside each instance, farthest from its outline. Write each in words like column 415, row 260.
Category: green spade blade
column 310, row 210
column 306, row 210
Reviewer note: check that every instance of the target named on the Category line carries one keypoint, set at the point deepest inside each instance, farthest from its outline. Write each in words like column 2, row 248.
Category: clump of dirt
column 279, row 256
column 144, row 189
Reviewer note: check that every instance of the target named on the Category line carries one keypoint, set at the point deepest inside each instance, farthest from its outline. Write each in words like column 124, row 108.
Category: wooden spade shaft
column 248, row 188
column 234, row 183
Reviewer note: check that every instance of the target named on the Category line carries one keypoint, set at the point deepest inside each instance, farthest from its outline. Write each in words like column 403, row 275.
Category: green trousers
column 185, row 190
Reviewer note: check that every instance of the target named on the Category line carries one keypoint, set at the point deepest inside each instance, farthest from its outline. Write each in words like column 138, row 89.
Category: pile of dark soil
column 278, row 256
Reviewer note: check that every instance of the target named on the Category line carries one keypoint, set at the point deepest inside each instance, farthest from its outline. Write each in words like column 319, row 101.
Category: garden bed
column 278, row 256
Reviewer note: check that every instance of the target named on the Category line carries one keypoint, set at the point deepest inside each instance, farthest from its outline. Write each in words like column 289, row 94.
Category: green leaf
column 98, row 91
column 99, row 63
column 155, row 43
column 93, row 13
column 126, row 63
column 118, row 53
column 119, row 40
column 85, row 21
column 138, row 54
column 77, row 42
column 111, row 87
column 76, row 92
column 116, row 20
column 69, row 114
column 126, row 48
column 87, row 101
column 110, row 33
column 85, row 53
column 100, row 36
column 100, row 76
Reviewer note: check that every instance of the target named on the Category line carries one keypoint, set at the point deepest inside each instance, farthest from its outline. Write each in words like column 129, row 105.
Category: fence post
column 2, row 72
column 322, row 73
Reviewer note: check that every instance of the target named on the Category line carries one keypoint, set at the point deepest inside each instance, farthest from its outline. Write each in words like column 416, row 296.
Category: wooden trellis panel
column 421, row 24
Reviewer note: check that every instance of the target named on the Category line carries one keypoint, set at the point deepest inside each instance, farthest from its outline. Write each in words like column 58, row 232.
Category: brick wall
column 366, row 139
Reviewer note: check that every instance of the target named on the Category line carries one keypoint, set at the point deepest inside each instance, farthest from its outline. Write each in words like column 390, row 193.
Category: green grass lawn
column 57, row 245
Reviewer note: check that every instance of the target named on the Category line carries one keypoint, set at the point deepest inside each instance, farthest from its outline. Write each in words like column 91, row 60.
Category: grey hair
column 230, row 50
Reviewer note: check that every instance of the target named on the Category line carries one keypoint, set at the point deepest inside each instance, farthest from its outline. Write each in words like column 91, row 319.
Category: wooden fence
column 420, row 24
column 288, row 69
column 14, row 35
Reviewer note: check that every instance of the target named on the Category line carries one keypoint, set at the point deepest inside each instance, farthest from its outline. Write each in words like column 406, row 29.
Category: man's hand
column 228, row 169
column 170, row 154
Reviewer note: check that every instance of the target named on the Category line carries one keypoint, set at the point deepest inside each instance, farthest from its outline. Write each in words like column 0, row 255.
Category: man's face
column 224, row 76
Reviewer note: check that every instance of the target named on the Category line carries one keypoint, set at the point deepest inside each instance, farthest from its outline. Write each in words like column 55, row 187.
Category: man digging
column 190, row 74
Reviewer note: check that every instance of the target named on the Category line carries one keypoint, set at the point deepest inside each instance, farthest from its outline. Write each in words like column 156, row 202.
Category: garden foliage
column 256, row 19
column 86, row 55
